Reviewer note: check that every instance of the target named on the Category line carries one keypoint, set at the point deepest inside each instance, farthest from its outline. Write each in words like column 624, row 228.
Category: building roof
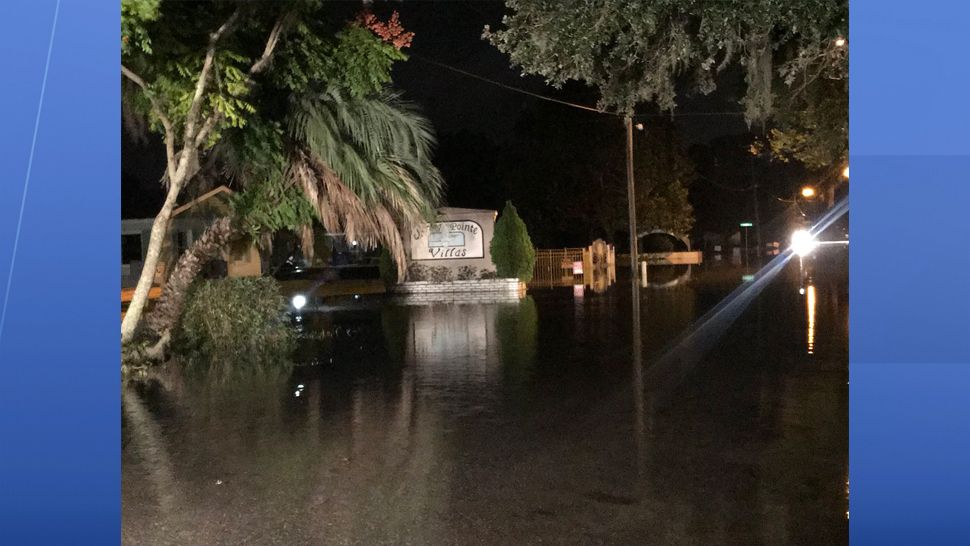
column 202, row 198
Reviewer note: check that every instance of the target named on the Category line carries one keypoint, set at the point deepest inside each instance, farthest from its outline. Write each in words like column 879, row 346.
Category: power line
column 510, row 88
column 567, row 103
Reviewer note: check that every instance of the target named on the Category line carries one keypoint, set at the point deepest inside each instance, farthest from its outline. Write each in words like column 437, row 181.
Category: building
column 188, row 223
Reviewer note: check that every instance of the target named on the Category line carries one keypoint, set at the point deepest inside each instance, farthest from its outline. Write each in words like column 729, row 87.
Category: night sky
column 450, row 33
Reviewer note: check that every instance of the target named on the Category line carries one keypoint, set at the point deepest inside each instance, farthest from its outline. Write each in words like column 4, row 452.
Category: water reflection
column 461, row 343
column 668, row 276
column 810, row 303
column 515, row 422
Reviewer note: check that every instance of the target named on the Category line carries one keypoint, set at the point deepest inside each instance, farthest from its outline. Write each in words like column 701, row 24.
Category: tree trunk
column 216, row 238
column 159, row 232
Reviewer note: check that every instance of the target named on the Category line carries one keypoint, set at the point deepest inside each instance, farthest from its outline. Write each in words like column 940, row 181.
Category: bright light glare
column 299, row 301
column 845, row 172
column 839, row 42
column 802, row 243
column 808, row 192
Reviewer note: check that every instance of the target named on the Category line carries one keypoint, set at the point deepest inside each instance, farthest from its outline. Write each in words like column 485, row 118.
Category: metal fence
column 593, row 265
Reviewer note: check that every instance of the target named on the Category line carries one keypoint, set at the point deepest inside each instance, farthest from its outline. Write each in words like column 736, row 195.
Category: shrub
column 417, row 272
column 441, row 274
column 487, row 274
column 511, row 247
column 466, row 273
column 238, row 320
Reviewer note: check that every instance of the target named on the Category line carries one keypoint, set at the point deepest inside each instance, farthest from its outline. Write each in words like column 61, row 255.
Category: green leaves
column 511, row 248
column 235, row 321
column 354, row 61
column 135, row 15
column 634, row 51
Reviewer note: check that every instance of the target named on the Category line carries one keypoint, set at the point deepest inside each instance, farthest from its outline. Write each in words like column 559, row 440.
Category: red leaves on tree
column 390, row 32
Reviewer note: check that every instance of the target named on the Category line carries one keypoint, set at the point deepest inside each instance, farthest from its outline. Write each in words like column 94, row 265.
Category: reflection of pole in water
column 637, row 380
column 810, row 303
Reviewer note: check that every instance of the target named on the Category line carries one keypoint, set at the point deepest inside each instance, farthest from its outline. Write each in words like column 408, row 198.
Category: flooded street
column 512, row 423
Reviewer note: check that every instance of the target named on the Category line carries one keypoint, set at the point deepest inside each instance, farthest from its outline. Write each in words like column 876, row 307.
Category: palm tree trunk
column 209, row 246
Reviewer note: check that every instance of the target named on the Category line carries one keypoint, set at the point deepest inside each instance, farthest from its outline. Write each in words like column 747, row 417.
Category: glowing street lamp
column 803, row 243
column 839, row 42
column 845, row 172
column 808, row 192
column 745, row 225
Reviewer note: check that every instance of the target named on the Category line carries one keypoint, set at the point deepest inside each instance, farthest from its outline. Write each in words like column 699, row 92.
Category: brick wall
column 484, row 290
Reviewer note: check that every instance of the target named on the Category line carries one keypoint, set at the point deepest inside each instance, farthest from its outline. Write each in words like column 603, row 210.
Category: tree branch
column 160, row 114
column 271, row 41
column 192, row 117
column 261, row 63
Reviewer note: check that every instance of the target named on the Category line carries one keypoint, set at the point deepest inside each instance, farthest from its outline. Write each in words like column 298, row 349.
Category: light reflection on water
column 506, row 423
column 810, row 303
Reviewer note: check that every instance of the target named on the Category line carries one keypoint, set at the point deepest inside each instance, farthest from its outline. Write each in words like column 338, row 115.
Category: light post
column 631, row 198
column 746, row 225
column 807, row 193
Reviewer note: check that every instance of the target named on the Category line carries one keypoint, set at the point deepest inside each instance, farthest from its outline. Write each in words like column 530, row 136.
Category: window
column 131, row 248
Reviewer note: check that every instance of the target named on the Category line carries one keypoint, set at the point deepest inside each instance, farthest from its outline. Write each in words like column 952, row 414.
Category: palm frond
column 365, row 165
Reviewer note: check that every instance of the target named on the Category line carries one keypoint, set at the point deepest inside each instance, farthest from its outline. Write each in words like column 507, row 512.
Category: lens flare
column 803, row 243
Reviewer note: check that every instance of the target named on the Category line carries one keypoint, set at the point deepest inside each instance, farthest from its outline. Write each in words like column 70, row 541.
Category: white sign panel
column 448, row 241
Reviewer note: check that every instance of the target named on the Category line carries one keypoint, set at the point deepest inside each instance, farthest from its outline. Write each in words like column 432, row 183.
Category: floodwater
column 511, row 423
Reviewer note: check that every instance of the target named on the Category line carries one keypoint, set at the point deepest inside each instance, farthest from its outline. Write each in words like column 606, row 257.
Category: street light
column 745, row 225
column 839, row 42
column 803, row 243
column 845, row 172
column 808, row 192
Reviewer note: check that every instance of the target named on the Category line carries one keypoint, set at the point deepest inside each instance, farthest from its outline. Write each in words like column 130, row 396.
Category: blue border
column 910, row 273
column 59, row 356
column 910, row 379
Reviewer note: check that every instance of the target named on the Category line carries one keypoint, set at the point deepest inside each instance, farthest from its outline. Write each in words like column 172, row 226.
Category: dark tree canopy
column 637, row 51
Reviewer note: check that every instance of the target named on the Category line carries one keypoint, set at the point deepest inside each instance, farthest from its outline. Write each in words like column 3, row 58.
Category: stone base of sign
column 485, row 290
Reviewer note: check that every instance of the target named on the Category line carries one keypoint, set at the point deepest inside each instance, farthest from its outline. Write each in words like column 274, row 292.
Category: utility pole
column 757, row 216
column 631, row 197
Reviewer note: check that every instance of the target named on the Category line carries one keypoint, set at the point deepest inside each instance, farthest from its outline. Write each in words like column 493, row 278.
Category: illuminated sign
column 448, row 241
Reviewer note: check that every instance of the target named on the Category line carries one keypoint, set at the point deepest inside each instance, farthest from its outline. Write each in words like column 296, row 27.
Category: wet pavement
column 512, row 423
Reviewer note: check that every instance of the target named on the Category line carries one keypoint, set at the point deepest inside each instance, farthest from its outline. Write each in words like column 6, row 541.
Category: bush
column 466, row 273
column 417, row 272
column 238, row 320
column 441, row 274
column 487, row 274
column 511, row 247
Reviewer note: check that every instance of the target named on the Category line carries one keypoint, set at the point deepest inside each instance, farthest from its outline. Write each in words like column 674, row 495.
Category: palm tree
column 360, row 166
